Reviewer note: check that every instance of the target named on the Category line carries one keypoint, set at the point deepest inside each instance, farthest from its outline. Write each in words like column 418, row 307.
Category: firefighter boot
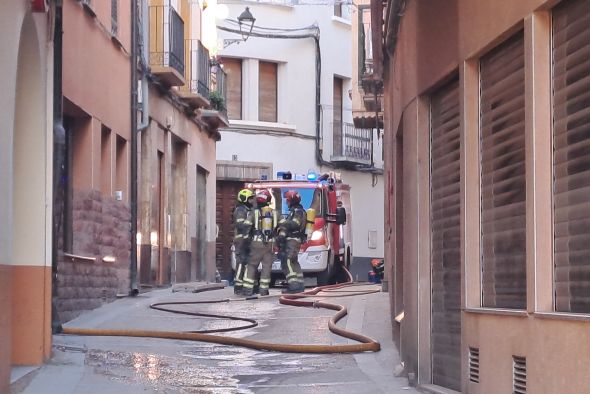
column 294, row 287
column 263, row 292
column 237, row 289
column 247, row 292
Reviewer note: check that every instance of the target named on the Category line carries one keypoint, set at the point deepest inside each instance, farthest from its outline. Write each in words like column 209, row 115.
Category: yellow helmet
column 244, row 195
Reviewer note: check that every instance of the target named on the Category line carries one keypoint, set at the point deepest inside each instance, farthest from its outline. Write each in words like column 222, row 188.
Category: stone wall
column 100, row 227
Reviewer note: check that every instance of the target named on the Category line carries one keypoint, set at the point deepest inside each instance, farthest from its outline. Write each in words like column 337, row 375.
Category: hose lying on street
column 366, row 344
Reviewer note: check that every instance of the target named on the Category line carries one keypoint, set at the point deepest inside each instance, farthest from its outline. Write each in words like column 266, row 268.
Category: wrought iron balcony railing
column 198, row 68
column 352, row 144
column 166, row 38
column 219, row 86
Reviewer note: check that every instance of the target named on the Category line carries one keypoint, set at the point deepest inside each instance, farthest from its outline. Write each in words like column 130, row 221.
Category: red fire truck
column 329, row 237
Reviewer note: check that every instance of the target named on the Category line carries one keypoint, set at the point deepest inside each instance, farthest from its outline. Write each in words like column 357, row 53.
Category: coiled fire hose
column 366, row 344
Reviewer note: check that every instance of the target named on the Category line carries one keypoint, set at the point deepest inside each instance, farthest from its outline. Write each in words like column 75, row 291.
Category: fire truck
column 328, row 246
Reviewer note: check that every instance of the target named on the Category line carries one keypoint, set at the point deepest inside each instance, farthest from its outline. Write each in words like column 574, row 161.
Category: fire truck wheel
column 325, row 277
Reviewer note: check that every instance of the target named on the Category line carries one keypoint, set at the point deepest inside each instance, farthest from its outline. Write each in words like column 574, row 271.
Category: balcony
column 352, row 145
column 217, row 116
column 197, row 73
column 167, row 45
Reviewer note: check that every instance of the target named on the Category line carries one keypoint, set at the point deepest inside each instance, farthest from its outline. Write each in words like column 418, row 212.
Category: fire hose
column 365, row 343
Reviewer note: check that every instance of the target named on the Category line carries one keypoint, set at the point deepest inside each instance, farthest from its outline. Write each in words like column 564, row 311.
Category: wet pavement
column 96, row 364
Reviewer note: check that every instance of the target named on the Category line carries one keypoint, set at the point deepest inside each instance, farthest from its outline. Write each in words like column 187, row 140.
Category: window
column 338, row 10
column 121, row 166
column 233, row 69
column 105, row 161
column 267, row 92
column 571, row 156
column 114, row 18
column 503, row 183
column 365, row 47
column 337, row 134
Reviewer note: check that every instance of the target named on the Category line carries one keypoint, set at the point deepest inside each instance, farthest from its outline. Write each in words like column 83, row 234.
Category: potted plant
column 217, row 101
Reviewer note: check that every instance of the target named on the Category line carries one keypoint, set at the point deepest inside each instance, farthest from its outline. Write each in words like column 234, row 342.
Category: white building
column 280, row 120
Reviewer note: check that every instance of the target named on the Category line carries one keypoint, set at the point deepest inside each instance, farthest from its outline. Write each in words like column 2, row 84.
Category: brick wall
column 100, row 227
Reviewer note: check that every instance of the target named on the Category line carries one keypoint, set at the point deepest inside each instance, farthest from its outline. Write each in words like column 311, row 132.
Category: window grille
column 503, row 183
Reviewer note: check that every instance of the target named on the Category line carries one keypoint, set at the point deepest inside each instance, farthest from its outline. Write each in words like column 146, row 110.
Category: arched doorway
column 31, row 224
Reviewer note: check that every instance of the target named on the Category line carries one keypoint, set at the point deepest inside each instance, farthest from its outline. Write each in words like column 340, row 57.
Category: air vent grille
column 474, row 364
column 519, row 375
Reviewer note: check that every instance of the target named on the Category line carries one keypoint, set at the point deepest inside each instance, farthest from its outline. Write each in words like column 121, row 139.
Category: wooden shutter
column 571, row 155
column 503, row 183
column 446, row 237
column 267, row 92
column 233, row 68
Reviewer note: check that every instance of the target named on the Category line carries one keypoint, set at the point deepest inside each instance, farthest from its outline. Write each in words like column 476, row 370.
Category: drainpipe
column 145, row 119
column 134, row 288
column 59, row 146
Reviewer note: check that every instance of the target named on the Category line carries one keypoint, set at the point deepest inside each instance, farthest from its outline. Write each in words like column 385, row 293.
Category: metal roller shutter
column 446, row 237
column 571, row 155
column 503, row 183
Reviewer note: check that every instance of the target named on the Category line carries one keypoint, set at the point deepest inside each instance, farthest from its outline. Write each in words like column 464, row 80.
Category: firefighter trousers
column 290, row 263
column 241, row 251
column 260, row 253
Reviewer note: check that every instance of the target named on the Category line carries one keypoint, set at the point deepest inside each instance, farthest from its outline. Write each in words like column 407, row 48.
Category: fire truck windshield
column 310, row 198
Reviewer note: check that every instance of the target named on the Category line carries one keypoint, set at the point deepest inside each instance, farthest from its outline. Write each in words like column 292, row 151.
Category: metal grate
column 518, row 375
column 474, row 365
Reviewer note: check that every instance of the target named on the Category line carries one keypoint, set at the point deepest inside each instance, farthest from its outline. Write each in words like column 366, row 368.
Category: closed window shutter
column 233, row 68
column 267, row 92
column 571, row 155
column 503, row 183
column 446, row 237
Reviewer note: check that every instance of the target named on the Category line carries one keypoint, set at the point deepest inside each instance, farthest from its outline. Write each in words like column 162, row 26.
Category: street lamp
column 246, row 23
column 246, row 18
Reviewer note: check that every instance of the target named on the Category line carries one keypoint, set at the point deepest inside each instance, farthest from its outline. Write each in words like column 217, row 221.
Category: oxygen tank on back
column 310, row 222
column 267, row 221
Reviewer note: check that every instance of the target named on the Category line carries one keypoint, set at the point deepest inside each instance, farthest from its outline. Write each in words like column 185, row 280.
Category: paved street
column 140, row 365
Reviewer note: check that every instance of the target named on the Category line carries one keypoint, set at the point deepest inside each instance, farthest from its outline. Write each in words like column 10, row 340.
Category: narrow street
column 133, row 365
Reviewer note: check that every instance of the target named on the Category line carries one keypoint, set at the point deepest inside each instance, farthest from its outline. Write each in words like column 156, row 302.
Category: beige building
column 26, row 99
column 487, row 172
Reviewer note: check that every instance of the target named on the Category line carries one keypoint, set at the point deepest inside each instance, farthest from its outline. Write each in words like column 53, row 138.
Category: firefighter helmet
column 292, row 197
column 244, row 195
column 263, row 197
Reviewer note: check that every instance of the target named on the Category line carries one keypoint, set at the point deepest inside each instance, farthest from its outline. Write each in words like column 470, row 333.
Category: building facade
column 26, row 98
column 289, row 103
column 175, row 138
column 486, row 163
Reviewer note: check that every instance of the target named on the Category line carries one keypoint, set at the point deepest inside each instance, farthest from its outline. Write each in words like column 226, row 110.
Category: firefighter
column 243, row 220
column 261, row 249
column 290, row 235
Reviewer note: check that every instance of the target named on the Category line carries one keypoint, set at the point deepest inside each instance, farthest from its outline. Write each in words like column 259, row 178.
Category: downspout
column 145, row 118
column 59, row 146
column 134, row 288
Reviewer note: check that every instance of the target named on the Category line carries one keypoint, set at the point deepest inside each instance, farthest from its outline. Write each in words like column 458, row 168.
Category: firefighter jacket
column 243, row 219
column 294, row 223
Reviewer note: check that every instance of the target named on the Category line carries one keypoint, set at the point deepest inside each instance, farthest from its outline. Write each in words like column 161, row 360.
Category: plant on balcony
column 217, row 101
